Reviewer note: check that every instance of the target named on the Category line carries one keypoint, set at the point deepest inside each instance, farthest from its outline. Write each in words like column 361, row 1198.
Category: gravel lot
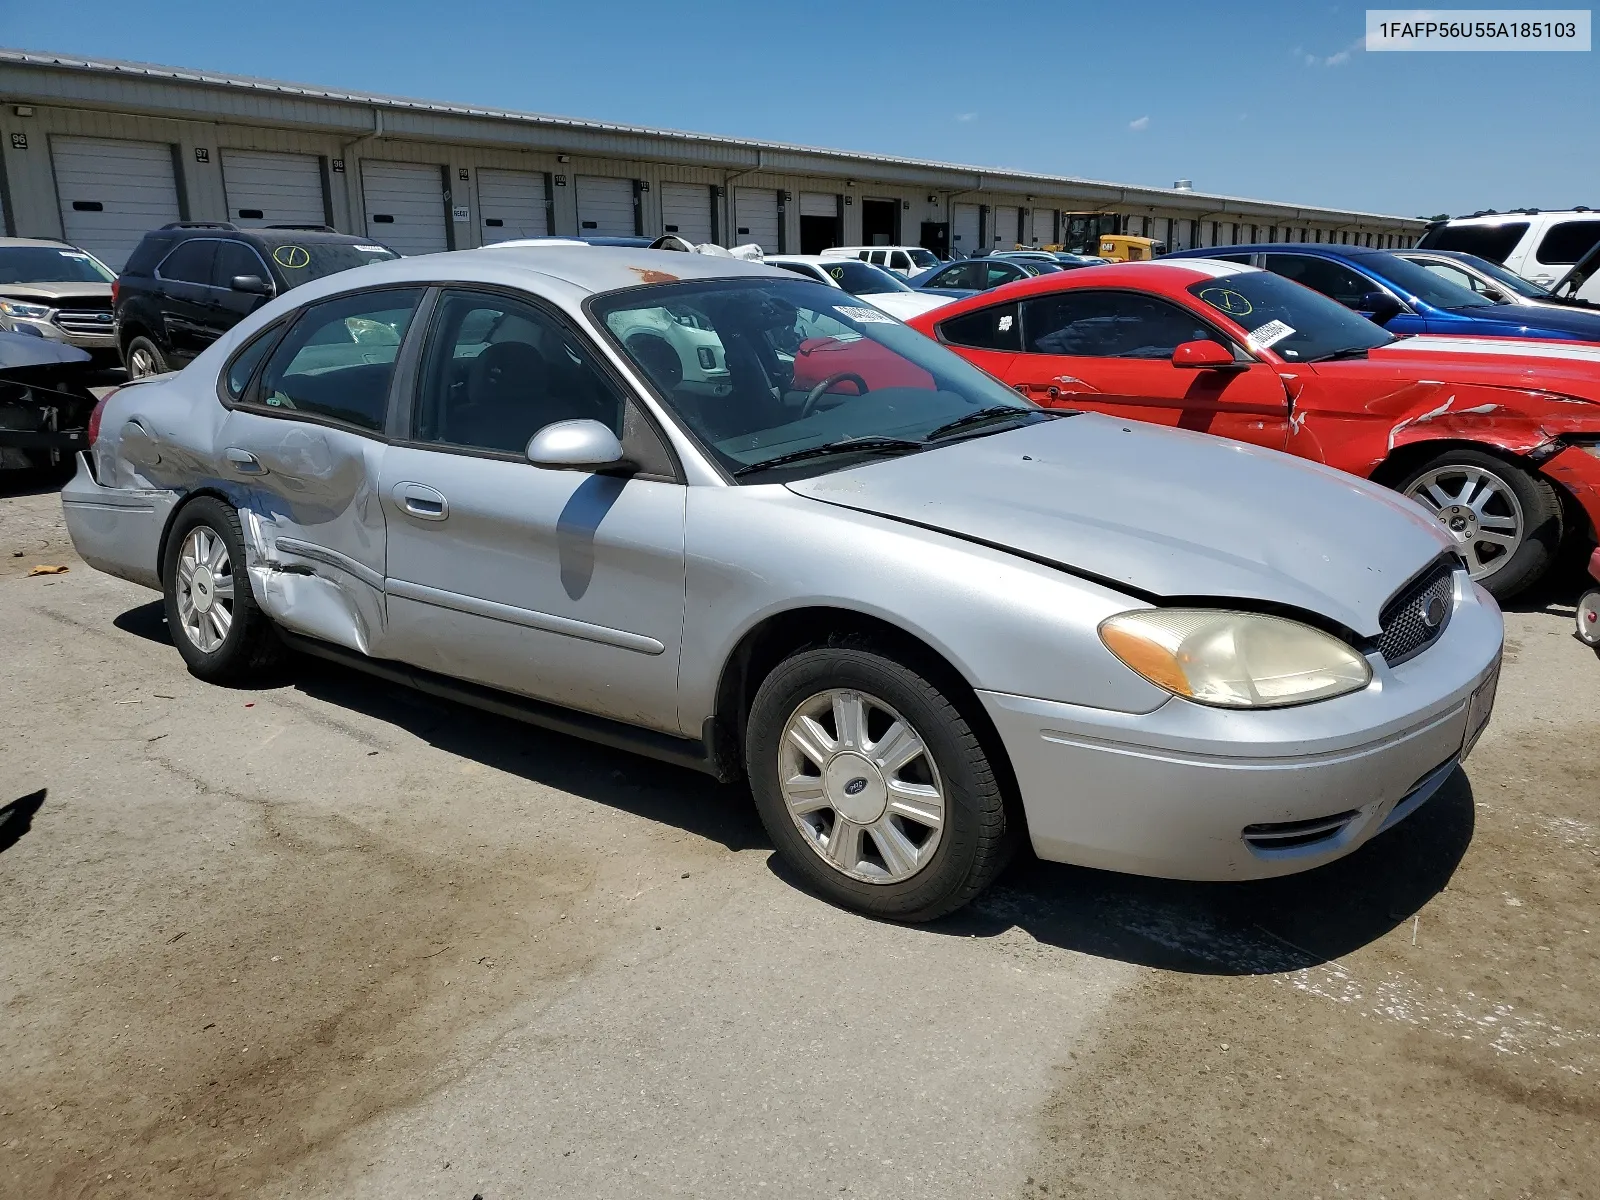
column 327, row 938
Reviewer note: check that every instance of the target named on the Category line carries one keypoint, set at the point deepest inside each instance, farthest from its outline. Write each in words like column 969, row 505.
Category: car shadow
column 1254, row 928
column 1558, row 591
column 16, row 818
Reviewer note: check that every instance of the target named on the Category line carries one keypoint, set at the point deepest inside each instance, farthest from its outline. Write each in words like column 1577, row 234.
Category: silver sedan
column 711, row 512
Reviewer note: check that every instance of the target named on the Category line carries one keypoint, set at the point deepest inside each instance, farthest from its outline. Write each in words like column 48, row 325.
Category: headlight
column 33, row 312
column 1234, row 659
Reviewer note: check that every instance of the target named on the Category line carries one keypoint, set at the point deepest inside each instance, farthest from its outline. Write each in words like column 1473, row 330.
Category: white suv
column 902, row 260
column 1540, row 246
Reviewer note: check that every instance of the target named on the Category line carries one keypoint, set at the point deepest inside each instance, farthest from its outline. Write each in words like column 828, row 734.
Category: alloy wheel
column 1479, row 509
column 861, row 786
column 205, row 589
column 140, row 363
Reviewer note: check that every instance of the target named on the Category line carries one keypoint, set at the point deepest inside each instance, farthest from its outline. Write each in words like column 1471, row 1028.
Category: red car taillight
column 115, row 284
column 94, row 417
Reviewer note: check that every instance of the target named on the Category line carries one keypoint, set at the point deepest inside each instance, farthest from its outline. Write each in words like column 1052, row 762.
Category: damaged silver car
column 711, row 512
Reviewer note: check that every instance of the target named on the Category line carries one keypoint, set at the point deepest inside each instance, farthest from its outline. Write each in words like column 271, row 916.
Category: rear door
column 1111, row 351
column 186, row 297
column 405, row 206
column 112, row 192
column 304, row 445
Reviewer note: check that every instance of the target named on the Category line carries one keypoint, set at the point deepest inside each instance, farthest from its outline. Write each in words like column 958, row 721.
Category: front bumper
column 46, row 328
column 1190, row 792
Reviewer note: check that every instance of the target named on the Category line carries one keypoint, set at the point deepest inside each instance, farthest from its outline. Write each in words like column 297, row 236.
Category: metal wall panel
column 512, row 204
column 112, row 193
column 755, row 212
column 605, row 207
column 686, row 211
column 405, row 206
column 273, row 189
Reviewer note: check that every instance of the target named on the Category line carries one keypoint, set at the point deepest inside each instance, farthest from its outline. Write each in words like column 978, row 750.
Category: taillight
column 115, row 284
column 94, row 417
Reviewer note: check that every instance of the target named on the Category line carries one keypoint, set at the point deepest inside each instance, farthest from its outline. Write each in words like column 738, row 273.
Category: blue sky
column 1267, row 100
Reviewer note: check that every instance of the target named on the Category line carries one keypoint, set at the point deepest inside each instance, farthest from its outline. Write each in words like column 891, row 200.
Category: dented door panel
column 312, row 522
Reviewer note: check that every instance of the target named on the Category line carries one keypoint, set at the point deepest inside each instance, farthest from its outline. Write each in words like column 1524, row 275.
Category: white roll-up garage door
column 605, row 207
column 964, row 230
column 686, row 211
column 1044, row 226
column 1004, row 218
column 273, row 189
column 405, row 206
column 112, row 193
column 819, row 204
column 755, row 215
column 511, row 204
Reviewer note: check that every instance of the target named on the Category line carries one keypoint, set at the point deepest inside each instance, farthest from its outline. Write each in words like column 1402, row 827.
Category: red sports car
column 1499, row 438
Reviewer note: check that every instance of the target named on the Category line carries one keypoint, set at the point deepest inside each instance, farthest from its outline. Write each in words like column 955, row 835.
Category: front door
column 301, row 449
column 227, row 306
column 1111, row 351
column 562, row 585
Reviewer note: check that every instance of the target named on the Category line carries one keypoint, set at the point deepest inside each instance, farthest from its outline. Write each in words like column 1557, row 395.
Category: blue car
column 969, row 276
column 1403, row 296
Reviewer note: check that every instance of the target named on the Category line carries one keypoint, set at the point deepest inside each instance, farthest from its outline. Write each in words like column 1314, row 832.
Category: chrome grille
column 84, row 320
column 1407, row 631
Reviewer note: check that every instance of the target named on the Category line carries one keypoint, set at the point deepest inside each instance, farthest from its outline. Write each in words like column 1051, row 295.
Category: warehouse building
column 98, row 152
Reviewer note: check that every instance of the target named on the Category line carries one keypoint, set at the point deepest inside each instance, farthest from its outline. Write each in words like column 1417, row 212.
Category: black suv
column 188, row 283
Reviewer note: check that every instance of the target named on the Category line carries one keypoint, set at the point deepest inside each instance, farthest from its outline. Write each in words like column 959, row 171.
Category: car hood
column 1528, row 320
column 1569, row 368
column 905, row 305
column 1161, row 513
column 53, row 293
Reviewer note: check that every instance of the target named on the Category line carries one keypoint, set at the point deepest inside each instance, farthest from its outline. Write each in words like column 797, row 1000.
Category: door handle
column 421, row 501
column 244, row 462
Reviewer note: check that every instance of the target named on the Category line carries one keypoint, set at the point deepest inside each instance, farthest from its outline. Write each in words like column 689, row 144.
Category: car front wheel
column 873, row 786
column 1506, row 520
column 212, row 614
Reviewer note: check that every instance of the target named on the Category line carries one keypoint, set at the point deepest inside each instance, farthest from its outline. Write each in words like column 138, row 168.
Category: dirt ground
column 327, row 938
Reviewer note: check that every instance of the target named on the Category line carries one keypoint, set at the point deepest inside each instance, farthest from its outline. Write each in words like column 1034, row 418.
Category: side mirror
column 1203, row 356
column 1379, row 307
column 582, row 445
column 253, row 284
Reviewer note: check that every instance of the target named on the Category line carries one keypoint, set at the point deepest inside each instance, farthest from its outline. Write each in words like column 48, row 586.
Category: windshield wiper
column 1347, row 352
column 869, row 443
column 992, row 412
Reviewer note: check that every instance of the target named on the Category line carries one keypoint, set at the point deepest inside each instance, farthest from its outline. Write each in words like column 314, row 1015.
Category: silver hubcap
column 1479, row 509
column 205, row 589
column 1589, row 618
column 861, row 786
column 140, row 363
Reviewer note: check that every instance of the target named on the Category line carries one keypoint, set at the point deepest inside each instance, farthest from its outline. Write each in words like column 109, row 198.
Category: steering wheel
column 816, row 393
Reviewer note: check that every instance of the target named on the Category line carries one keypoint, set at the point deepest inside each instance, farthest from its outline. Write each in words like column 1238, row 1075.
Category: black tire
column 250, row 646
column 1542, row 524
column 143, row 357
column 975, row 841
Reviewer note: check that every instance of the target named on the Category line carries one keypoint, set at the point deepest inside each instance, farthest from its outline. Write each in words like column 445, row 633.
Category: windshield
column 301, row 262
column 1422, row 284
column 863, row 279
column 46, row 264
column 924, row 258
column 1297, row 323
column 762, row 368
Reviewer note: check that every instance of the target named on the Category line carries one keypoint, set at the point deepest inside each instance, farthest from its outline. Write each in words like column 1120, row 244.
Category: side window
column 189, row 262
column 235, row 258
column 995, row 273
column 1456, row 276
column 1243, row 259
column 1322, row 275
column 951, row 277
column 993, row 328
column 901, row 261
column 497, row 371
column 1109, row 325
column 1565, row 243
column 337, row 360
column 244, row 363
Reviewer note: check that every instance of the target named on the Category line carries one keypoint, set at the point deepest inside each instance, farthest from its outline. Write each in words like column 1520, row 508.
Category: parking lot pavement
column 327, row 938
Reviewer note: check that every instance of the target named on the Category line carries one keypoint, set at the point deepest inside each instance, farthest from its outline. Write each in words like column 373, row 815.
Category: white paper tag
column 866, row 316
column 372, row 249
column 1273, row 331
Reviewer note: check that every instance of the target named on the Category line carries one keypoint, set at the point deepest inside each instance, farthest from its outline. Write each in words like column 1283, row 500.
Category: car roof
column 1327, row 249
column 1155, row 276
column 52, row 243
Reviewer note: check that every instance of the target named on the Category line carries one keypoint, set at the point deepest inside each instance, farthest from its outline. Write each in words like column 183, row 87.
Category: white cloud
column 967, row 116
column 1338, row 58
column 1139, row 125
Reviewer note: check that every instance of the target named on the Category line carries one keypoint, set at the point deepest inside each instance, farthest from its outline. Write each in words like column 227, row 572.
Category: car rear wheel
column 1506, row 520
column 873, row 786
column 144, row 357
column 212, row 614
column 1589, row 617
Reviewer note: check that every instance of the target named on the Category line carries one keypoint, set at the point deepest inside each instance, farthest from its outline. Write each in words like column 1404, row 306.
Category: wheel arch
column 779, row 635
column 172, row 521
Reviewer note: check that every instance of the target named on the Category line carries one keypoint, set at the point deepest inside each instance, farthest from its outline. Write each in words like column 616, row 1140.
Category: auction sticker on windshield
column 866, row 316
column 1271, row 332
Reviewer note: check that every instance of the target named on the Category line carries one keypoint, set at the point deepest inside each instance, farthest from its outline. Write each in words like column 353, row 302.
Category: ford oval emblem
column 1433, row 612
column 855, row 787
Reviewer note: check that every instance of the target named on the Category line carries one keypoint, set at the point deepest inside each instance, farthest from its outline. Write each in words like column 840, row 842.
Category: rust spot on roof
column 651, row 275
